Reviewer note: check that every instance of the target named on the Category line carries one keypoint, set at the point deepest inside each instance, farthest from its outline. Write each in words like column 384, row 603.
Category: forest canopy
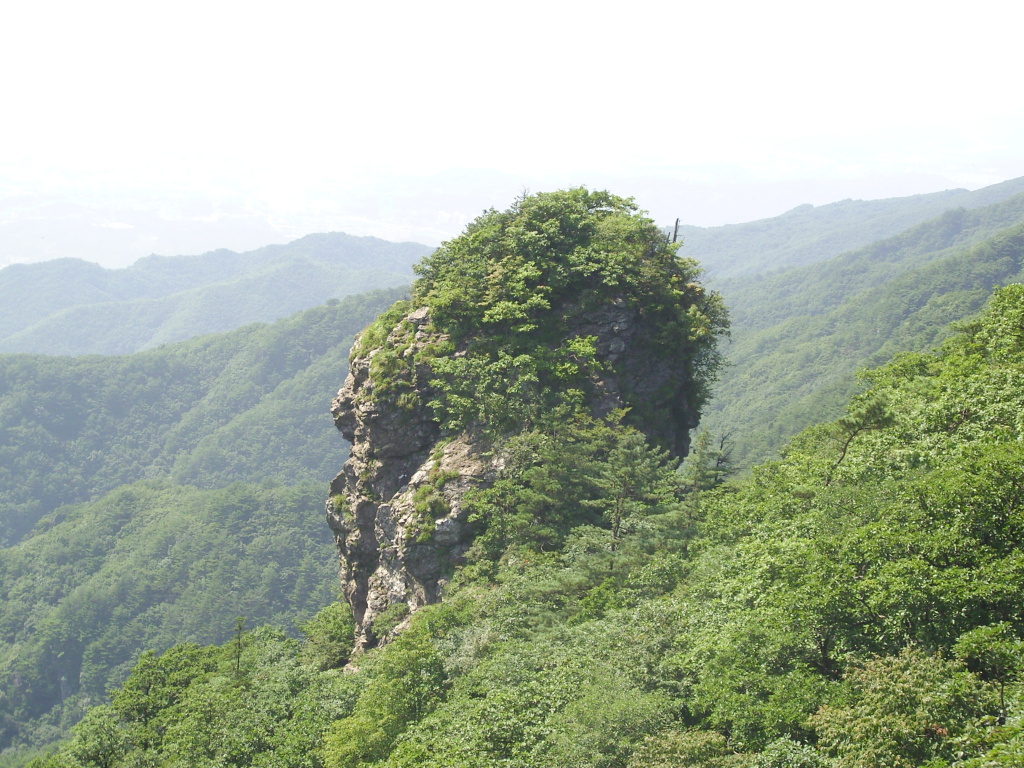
column 516, row 294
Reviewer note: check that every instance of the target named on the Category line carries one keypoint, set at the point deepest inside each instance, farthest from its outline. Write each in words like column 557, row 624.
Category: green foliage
column 188, row 707
column 811, row 614
column 995, row 653
column 634, row 481
column 376, row 333
column 329, row 636
column 543, row 490
column 686, row 749
column 508, row 289
column 145, row 567
column 430, row 503
column 708, row 465
column 390, row 618
column 786, row 753
column 903, row 712
column 248, row 405
column 104, row 573
column 403, row 685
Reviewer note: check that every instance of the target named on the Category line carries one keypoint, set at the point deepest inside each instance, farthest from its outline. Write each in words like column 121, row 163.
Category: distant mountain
column 809, row 234
column 799, row 336
column 72, row 307
column 246, row 405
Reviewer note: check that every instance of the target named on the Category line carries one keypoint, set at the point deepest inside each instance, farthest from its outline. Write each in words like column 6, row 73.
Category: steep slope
column 238, row 406
column 809, row 234
column 72, row 307
column 143, row 564
column 798, row 337
column 145, row 567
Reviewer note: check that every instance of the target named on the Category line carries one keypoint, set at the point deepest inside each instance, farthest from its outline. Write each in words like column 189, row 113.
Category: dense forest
column 855, row 602
column 246, row 405
column 141, row 568
column 155, row 497
column 799, row 335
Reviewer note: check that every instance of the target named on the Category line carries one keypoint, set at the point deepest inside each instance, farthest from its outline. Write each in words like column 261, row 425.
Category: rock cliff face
column 398, row 475
column 397, row 506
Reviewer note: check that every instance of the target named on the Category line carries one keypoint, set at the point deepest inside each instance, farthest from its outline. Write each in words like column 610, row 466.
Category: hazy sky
column 164, row 126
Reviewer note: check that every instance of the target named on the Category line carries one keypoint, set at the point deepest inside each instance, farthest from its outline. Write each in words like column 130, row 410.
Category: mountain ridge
column 807, row 234
column 71, row 306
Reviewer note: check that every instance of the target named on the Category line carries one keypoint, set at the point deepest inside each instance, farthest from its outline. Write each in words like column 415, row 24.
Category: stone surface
column 385, row 556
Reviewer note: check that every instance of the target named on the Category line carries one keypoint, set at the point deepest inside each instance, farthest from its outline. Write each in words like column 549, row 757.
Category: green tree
column 406, row 679
column 903, row 711
column 706, row 466
column 635, row 481
column 329, row 636
column 996, row 654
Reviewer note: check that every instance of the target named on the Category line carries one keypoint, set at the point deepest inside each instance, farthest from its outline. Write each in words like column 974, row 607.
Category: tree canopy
column 515, row 291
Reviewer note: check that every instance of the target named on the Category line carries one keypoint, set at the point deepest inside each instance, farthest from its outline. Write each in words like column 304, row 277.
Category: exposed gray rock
column 390, row 551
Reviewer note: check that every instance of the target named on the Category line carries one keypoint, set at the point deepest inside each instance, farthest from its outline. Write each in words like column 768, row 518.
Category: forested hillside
column 858, row 603
column 247, row 405
column 72, row 307
column 799, row 336
column 155, row 497
column 809, row 234
column 149, row 565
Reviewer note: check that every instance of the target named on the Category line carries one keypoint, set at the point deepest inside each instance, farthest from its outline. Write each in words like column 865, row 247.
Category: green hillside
column 149, row 565
column 855, row 604
column 73, row 307
column 799, row 336
column 153, row 498
column 247, row 405
column 810, row 234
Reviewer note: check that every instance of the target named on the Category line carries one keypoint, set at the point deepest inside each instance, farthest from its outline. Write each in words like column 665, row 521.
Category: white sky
column 405, row 119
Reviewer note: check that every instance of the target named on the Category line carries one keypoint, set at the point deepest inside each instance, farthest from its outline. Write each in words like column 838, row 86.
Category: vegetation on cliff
column 566, row 326
column 516, row 296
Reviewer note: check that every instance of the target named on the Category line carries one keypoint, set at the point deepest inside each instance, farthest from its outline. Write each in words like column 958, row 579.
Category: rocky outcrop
column 397, row 508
